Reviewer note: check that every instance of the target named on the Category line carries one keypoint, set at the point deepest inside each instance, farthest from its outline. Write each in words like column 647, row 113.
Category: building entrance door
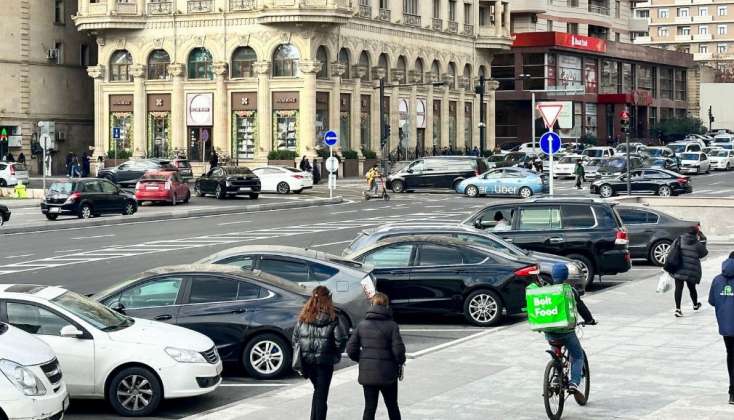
column 421, row 141
column 200, row 144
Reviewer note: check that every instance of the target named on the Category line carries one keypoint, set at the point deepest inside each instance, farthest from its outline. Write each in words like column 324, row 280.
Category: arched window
column 242, row 61
column 482, row 71
column 323, row 56
column 120, row 64
column 452, row 75
column 419, row 70
column 364, row 62
column 382, row 63
column 285, row 61
column 403, row 67
column 200, row 64
column 343, row 58
column 158, row 62
column 467, row 77
column 435, row 71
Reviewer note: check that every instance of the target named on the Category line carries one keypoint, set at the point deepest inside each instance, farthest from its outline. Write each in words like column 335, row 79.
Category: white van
column 31, row 383
column 679, row 147
column 598, row 152
column 723, row 140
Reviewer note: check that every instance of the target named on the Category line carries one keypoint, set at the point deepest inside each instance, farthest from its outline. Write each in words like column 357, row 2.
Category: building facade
column 43, row 60
column 246, row 77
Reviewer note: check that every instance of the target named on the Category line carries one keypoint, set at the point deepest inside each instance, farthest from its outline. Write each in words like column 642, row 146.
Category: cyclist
column 372, row 175
column 569, row 338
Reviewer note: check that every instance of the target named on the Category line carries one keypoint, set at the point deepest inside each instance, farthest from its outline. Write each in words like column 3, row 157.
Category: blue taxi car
column 517, row 182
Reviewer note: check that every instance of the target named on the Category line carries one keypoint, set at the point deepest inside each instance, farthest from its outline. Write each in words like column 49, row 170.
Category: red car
column 162, row 186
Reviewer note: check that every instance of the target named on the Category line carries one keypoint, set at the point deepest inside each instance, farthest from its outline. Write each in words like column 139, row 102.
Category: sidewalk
column 645, row 364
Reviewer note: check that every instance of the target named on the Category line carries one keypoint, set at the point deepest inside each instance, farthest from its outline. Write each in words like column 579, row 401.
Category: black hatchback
column 228, row 181
column 85, row 198
column 439, row 172
column 129, row 173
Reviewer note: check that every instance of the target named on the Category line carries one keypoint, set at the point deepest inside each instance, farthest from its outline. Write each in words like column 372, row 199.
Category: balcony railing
column 411, row 20
column 200, row 6
column 365, row 11
column 242, row 4
column 437, row 24
column 160, row 8
column 599, row 8
column 468, row 29
column 384, row 15
column 453, row 27
column 127, row 8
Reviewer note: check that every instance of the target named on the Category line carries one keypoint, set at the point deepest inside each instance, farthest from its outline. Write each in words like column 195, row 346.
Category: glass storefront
column 159, row 134
column 124, row 122
column 345, row 121
column 590, row 80
column 199, row 120
column 200, row 144
column 285, row 120
column 244, row 127
column 437, row 124
column 365, row 121
column 322, row 117
column 591, row 119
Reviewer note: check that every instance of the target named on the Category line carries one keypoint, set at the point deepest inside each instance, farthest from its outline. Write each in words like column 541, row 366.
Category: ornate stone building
column 245, row 77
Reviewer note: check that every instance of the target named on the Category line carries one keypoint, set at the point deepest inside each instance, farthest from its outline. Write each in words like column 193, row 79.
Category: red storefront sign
column 635, row 97
column 559, row 39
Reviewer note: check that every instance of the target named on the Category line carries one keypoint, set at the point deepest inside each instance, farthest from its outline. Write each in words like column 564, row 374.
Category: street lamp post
column 479, row 89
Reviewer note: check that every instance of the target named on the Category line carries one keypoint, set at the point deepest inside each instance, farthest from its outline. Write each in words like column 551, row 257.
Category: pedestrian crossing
column 230, row 238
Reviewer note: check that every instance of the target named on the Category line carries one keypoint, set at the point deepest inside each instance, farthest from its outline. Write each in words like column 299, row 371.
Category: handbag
column 673, row 259
column 665, row 282
column 297, row 364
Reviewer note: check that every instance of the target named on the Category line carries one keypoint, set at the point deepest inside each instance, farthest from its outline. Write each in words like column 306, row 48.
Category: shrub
column 281, row 155
column 121, row 154
column 369, row 154
column 350, row 154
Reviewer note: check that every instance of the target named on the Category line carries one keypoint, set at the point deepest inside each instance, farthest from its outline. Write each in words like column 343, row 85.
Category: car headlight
column 228, row 183
column 573, row 269
column 23, row 379
column 184, row 355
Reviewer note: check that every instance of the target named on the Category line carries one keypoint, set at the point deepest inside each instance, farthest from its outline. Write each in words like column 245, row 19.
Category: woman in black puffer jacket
column 378, row 347
column 689, row 270
column 322, row 339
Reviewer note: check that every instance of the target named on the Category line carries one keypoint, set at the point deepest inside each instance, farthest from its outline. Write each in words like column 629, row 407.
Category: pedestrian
column 475, row 151
column 100, row 164
column 304, row 165
column 316, row 172
column 434, row 150
column 21, row 158
column 75, row 169
column 321, row 338
column 85, row 165
column 378, row 347
column 68, row 163
column 687, row 269
column 11, row 158
column 579, row 173
column 213, row 160
column 721, row 297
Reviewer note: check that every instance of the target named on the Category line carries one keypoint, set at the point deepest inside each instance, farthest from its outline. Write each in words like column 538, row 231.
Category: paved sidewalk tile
column 645, row 364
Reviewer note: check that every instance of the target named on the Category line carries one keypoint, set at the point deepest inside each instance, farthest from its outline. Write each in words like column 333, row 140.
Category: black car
column 651, row 232
column 443, row 172
column 250, row 316
column 184, row 169
column 129, row 173
column 650, row 181
column 667, row 163
column 87, row 197
column 446, row 276
column 617, row 165
column 586, row 230
column 4, row 214
column 519, row 159
column 227, row 181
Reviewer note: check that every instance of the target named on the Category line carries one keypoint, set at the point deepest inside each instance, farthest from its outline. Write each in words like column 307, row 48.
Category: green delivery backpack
column 551, row 308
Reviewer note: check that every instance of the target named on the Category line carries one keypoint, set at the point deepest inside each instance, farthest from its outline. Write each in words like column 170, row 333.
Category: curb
column 74, row 224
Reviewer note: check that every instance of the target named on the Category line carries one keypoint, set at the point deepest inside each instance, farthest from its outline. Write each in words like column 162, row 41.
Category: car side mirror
column 70, row 331
column 118, row 307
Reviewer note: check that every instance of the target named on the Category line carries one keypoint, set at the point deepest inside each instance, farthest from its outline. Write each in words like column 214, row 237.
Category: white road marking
column 254, row 385
column 234, row 223
column 330, row 243
column 93, row 237
column 702, row 191
column 19, row 256
column 343, row 212
column 67, row 250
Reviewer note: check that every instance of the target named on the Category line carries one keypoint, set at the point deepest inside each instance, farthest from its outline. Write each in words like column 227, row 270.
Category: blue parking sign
column 116, row 133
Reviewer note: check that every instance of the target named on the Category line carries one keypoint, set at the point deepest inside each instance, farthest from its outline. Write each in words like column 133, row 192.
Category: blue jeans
column 575, row 351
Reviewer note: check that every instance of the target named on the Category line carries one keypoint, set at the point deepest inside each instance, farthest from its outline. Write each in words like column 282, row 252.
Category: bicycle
column 557, row 379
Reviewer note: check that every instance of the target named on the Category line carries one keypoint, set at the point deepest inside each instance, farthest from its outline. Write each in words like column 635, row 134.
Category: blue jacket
column 721, row 297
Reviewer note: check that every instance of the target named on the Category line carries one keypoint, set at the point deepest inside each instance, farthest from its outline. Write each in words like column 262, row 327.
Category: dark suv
column 129, row 173
column 586, row 230
column 443, row 172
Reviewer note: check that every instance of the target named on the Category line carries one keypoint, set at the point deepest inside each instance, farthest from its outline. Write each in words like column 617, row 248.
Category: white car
column 11, row 173
column 722, row 159
column 283, row 179
column 679, row 147
column 31, row 383
column 598, row 152
column 723, row 140
column 132, row 363
column 696, row 138
column 565, row 166
column 694, row 162
column 528, row 148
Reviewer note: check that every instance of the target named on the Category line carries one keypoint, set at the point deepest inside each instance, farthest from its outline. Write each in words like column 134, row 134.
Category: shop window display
column 244, row 125
column 345, row 121
column 452, row 125
column 159, row 134
column 437, row 124
column 123, row 121
column 365, row 121
column 468, row 125
column 285, row 130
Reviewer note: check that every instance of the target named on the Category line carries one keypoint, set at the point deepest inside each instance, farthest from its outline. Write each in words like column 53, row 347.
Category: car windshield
column 656, row 162
column 594, row 152
column 62, row 187
column 613, row 164
column 677, row 148
column 568, row 159
column 94, row 313
column 721, row 153
column 496, row 158
column 722, row 140
column 238, row 171
column 690, row 156
column 655, row 152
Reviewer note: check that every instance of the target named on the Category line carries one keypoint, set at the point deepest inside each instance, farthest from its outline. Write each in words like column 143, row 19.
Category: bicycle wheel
column 553, row 391
column 587, row 382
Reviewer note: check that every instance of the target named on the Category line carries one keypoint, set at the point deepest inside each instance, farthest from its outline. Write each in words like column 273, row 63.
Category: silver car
column 349, row 282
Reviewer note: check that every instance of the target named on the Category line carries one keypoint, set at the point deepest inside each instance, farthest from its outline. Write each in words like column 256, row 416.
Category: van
column 442, row 172
column 723, row 140
column 679, row 147
column 598, row 152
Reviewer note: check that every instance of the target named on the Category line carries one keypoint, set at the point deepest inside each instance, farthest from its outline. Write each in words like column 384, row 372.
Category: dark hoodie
column 721, row 297
column 378, row 347
column 322, row 341
column 691, row 252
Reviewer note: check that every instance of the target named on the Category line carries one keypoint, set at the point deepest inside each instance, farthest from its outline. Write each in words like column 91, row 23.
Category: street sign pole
column 331, row 175
column 331, row 139
column 532, row 118
column 624, row 123
column 45, row 145
column 550, row 143
column 550, row 173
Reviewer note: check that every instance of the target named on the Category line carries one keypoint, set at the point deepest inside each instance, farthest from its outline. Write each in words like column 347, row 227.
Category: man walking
column 721, row 297
column 579, row 172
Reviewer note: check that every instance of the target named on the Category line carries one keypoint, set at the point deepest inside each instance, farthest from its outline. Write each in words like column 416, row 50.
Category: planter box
column 351, row 168
column 368, row 164
column 290, row 163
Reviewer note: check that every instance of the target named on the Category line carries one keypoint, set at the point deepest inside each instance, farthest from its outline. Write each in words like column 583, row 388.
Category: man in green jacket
column 579, row 172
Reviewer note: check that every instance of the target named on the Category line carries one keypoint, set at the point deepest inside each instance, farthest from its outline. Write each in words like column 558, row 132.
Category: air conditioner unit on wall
column 52, row 54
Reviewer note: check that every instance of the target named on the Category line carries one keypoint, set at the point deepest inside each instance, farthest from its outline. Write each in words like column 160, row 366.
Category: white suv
column 132, row 363
column 11, row 173
column 31, row 382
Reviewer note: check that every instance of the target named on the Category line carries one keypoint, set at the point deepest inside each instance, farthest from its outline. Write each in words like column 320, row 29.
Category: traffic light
column 711, row 115
column 625, row 124
column 385, row 136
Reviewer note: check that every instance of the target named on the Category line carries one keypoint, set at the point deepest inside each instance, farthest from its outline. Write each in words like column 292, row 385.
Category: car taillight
column 682, row 180
column 168, row 185
column 531, row 270
column 12, row 169
column 622, row 237
column 297, row 176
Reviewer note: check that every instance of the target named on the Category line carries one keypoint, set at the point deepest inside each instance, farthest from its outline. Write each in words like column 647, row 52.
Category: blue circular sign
column 550, row 143
column 330, row 138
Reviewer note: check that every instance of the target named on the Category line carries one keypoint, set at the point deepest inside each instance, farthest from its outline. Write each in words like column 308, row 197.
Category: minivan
column 684, row 147
column 441, row 172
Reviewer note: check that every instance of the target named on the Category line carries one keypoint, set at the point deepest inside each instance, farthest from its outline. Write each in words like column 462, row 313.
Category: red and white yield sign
column 550, row 112
column 624, row 115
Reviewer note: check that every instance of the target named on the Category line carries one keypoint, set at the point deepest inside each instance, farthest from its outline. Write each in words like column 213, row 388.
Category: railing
column 160, row 8
column 198, row 6
column 365, row 11
column 242, row 4
column 468, row 29
column 127, row 8
column 412, row 20
column 437, row 24
column 384, row 15
column 453, row 27
column 599, row 8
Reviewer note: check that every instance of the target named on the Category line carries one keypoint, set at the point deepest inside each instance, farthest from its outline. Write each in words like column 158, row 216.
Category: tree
column 677, row 129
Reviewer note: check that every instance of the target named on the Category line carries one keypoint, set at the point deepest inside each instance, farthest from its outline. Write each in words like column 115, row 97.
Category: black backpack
column 674, row 259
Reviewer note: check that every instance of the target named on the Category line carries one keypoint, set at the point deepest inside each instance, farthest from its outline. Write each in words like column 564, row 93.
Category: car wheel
column 3, row 183
column 398, row 186
column 664, row 191
column 188, row 197
column 173, row 199
column 606, row 191
column 483, row 308
column 587, row 268
column 283, row 188
column 85, row 212
column 197, row 190
column 129, row 209
column 728, row 166
column 254, row 196
column 219, row 193
column 525, row 192
column 658, row 252
column 135, row 392
column 51, row 216
column 472, row 191
column 266, row 356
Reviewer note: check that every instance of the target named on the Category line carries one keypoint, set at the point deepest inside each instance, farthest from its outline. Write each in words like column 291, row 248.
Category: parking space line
column 330, row 243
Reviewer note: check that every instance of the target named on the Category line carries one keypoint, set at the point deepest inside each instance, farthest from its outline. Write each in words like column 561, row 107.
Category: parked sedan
column 651, row 232
column 249, row 316
column 228, row 181
column 659, row 152
column 722, row 159
column 283, row 179
column 184, row 169
column 650, row 181
column 129, row 173
column 85, row 198
column 506, row 181
column 444, row 276
column 4, row 214
column 670, row 164
column 348, row 281
column 162, row 187
column 694, row 162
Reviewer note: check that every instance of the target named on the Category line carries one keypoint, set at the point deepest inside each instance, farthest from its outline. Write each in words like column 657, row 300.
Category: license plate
column 245, row 189
column 151, row 187
column 54, row 210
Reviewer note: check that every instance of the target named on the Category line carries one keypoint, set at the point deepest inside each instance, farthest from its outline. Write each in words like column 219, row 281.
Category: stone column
column 264, row 113
column 498, row 18
column 358, row 72
column 398, row 76
column 492, row 86
column 178, row 108
column 429, row 113
column 100, row 145
column 307, row 131
column 83, row 7
column 337, row 70
column 476, row 131
column 506, row 29
column 412, row 115
column 221, row 106
column 445, row 117
column 460, row 140
column 140, row 148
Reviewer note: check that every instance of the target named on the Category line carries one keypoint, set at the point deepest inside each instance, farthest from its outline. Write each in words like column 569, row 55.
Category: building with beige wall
column 42, row 61
column 244, row 77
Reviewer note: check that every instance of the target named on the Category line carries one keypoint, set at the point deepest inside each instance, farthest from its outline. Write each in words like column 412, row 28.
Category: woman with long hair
column 378, row 347
column 321, row 337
